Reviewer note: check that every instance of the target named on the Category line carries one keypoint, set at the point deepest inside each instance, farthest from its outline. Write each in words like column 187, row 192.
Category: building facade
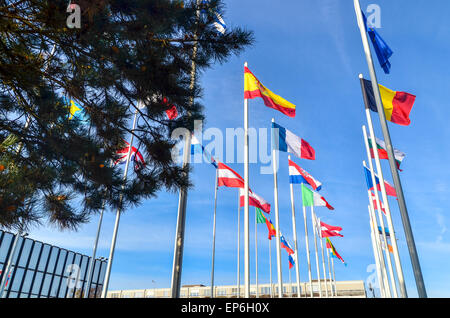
column 344, row 289
column 40, row 270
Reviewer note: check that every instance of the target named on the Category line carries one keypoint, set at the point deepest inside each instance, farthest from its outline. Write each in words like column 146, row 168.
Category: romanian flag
column 333, row 250
column 397, row 105
column 253, row 88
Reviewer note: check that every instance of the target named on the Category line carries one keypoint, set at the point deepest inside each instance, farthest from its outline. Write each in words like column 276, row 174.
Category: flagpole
column 182, row 201
column 316, row 250
column 397, row 260
column 307, row 254
column 116, row 225
column 380, row 250
column 334, row 277
column 319, row 233
column 277, row 220
column 239, row 252
column 214, row 234
column 397, row 183
column 294, row 230
column 376, row 256
column 329, row 271
column 256, row 253
column 290, row 284
column 246, row 205
column 270, row 267
column 380, row 216
column 94, row 252
column 9, row 262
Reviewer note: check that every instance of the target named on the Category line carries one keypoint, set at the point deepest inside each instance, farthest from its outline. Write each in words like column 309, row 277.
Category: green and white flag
column 312, row 198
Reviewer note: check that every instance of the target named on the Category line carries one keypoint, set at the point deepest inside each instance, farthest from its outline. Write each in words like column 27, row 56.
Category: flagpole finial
column 289, row 157
column 361, row 76
column 273, row 120
column 245, row 64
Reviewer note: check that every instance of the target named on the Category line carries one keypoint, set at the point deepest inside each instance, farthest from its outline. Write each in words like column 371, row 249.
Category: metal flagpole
column 315, row 248
column 329, row 272
column 182, row 202
column 307, row 254
column 380, row 216
column 7, row 269
column 94, row 252
column 334, row 277
column 390, row 150
column 246, row 205
column 376, row 256
column 270, row 267
column 294, row 230
column 380, row 250
column 277, row 220
column 116, row 225
column 290, row 284
column 239, row 252
column 256, row 253
column 397, row 260
column 319, row 233
column 214, row 234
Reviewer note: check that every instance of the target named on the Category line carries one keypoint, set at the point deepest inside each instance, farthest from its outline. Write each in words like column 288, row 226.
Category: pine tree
column 54, row 167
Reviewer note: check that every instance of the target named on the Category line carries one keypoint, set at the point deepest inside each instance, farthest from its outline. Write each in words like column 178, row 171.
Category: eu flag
column 382, row 50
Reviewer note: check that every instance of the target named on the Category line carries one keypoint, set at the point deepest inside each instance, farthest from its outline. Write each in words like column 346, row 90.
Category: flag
column 228, row 177
column 218, row 23
column 75, row 110
column 334, row 253
column 312, row 198
column 253, row 88
column 286, row 141
column 291, row 261
column 285, row 245
column 7, row 278
column 390, row 190
column 260, row 218
column 123, row 153
column 382, row 152
column 382, row 50
column 386, row 230
column 197, row 148
column 297, row 176
column 253, row 200
column 375, row 206
column 271, row 229
column 329, row 230
column 172, row 112
column 397, row 105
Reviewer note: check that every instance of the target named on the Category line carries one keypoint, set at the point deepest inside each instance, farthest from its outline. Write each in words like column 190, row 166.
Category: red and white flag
column 253, row 200
column 375, row 206
column 228, row 177
column 123, row 153
column 329, row 230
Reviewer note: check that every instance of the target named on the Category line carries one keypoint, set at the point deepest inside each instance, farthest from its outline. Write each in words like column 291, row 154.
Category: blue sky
column 309, row 52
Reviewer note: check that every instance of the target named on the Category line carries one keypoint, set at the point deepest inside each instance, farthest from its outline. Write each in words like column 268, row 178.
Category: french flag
column 286, row 141
column 228, row 177
column 297, row 176
column 253, row 200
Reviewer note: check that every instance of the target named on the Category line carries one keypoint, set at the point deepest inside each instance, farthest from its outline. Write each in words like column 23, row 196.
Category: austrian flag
column 329, row 230
column 228, row 177
column 253, row 200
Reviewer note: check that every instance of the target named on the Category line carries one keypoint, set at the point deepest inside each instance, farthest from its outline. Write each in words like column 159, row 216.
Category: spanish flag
column 253, row 88
column 397, row 105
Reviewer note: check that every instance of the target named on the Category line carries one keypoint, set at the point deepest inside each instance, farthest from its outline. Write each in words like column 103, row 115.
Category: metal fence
column 40, row 270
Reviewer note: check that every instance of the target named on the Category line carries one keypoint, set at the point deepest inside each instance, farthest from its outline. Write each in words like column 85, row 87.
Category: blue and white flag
column 218, row 23
column 297, row 175
column 197, row 148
